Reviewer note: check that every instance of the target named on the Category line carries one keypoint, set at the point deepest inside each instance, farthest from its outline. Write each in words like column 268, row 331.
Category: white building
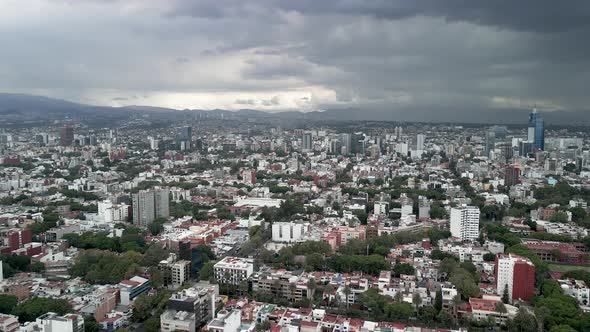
column 515, row 273
column 172, row 320
column 381, row 208
column 577, row 289
column 179, row 194
column 420, row 142
column 113, row 213
column 132, row 288
column 180, row 272
column 9, row 323
column 51, row 322
column 465, row 222
column 226, row 321
column 288, row 232
column 232, row 270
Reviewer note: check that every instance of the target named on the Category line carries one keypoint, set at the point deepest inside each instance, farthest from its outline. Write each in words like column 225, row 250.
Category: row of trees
column 131, row 240
column 12, row 264
column 107, row 267
column 32, row 308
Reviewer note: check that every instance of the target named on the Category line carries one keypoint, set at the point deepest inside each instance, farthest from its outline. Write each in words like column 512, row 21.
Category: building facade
column 149, row 205
column 233, row 270
column 465, row 222
column 517, row 274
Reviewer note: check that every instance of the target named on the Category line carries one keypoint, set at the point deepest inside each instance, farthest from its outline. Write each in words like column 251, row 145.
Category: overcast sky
column 299, row 54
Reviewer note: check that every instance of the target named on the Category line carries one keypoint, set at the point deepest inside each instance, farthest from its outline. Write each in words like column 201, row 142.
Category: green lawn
column 565, row 268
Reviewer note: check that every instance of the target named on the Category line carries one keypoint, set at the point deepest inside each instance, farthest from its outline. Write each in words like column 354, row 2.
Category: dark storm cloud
column 529, row 15
column 304, row 53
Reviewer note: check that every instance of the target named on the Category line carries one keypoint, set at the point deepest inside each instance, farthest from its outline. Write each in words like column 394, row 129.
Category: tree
column 29, row 310
column 562, row 328
column 563, row 309
column 155, row 228
column 206, row 272
column 347, row 292
column 142, row 308
column 90, row 324
column 541, row 314
column 152, row 324
column 244, row 287
column 489, row 257
column 263, row 326
column 445, row 319
column 7, row 303
column 505, row 294
column 501, row 308
column 156, row 277
column 438, row 300
column 403, row 268
column 416, row 300
column 559, row 217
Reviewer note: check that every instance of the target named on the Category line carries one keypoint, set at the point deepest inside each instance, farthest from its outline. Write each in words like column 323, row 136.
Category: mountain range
column 22, row 108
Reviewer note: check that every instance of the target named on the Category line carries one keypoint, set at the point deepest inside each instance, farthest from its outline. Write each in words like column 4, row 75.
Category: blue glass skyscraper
column 536, row 130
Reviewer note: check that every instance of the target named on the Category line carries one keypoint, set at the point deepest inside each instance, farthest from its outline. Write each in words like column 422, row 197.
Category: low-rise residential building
column 132, row 288
column 172, row 320
column 576, row 289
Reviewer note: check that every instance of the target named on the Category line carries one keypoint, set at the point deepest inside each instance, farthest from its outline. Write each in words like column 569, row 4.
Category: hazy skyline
column 299, row 55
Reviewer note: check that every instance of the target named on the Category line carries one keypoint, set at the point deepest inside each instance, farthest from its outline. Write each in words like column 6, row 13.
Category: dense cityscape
column 294, row 166
column 217, row 224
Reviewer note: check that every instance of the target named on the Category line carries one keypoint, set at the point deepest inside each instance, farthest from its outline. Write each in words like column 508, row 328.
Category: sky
column 305, row 55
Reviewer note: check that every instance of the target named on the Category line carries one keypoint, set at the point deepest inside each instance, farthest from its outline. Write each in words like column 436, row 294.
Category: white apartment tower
column 465, row 222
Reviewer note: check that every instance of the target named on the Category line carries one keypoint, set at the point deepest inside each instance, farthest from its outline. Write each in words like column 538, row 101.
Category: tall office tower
column 536, row 130
column 465, row 222
column 345, row 142
column 184, row 137
column 335, row 147
column 507, row 151
column 512, row 175
column 398, row 131
column 306, row 142
column 66, row 136
column 490, row 142
column 357, row 144
column 150, row 204
column 420, row 142
column 525, row 148
column 517, row 274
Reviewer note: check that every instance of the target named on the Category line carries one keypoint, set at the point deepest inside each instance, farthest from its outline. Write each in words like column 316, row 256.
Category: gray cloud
column 305, row 53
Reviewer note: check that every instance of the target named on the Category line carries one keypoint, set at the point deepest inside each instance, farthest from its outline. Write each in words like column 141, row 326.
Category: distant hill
column 16, row 108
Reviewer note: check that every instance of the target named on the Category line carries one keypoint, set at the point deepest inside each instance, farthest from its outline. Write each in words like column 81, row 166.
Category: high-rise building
column 184, row 137
column 149, row 205
column 345, row 143
column 490, row 142
column 420, row 142
column 465, row 222
column 307, row 143
column 517, row 274
column 66, row 136
column 357, row 144
column 536, row 130
column 512, row 175
column 525, row 148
